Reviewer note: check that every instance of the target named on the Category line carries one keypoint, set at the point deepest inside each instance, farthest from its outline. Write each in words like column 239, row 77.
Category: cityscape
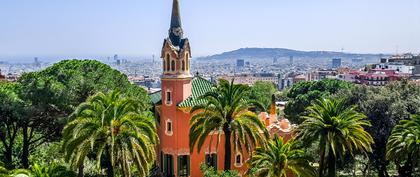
column 229, row 112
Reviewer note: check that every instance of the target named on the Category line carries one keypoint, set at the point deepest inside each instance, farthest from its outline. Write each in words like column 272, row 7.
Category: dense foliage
column 384, row 107
column 211, row 172
column 302, row 94
column 114, row 128
column 280, row 159
column 34, row 109
column 262, row 92
column 339, row 129
column 404, row 146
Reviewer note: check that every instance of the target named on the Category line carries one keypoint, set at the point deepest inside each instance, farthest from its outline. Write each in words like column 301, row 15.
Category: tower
column 174, row 157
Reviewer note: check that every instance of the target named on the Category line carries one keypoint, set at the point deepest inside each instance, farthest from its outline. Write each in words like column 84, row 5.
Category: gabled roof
column 200, row 86
column 156, row 97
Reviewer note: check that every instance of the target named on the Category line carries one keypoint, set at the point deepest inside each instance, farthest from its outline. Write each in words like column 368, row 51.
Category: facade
column 172, row 105
column 378, row 77
column 240, row 63
column 336, row 63
column 250, row 79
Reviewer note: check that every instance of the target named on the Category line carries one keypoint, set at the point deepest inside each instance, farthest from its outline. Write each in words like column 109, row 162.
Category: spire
column 176, row 16
column 175, row 32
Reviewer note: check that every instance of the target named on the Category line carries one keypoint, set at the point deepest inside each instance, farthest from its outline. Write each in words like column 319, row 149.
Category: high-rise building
column 336, row 63
column 117, row 60
column 291, row 60
column 36, row 62
column 240, row 63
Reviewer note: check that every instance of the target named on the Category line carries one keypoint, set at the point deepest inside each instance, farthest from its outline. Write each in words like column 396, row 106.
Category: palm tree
column 226, row 111
column 114, row 128
column 338, row 128
column 279, row 159
column 404, row 143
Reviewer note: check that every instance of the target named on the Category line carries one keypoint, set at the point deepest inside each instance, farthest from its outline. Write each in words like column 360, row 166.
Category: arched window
column 164, row 64
column 169, row 128
column 187, row 62
column 173, row 65
column 238, row 160
column 167, row 62
column 183, row 65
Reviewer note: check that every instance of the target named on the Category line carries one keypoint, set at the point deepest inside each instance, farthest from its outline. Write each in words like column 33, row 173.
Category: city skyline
column 133, row 28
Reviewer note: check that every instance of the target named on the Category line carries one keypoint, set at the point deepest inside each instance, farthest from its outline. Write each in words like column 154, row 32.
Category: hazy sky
column 138, row 27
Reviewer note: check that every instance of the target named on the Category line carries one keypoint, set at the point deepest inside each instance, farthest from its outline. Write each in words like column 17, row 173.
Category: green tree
column 279, row 159
column 384, row 107
column 116, row 129
column 262, row 92
column 226, row 111
column 211, row 172
column 9, row 120
column 51, row 95
column 339, row 130
column 404, row 145
column 302, row 95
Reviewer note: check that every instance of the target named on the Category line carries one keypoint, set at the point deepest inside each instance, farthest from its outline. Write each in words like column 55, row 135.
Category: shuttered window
column 183, row 166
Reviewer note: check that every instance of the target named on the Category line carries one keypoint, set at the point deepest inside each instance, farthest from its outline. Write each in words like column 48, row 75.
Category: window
column 168, row 97
column 183, row 65
column 167, row 62
column 173, row 65
column 238, row 160
column 169, row 128
column 164, row 65
column 184, row 166
column 211, row 160
column 168, row 165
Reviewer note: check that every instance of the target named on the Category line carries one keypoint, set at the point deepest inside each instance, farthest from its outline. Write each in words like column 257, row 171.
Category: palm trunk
column 407, row 169
column 80, row 171
column 331, row 164
column 228, row 147
column 8, row 156
column 322, row 160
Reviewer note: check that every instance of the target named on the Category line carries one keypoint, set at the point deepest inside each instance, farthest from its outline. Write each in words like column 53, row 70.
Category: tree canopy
column 47, row 98
column 302, row 94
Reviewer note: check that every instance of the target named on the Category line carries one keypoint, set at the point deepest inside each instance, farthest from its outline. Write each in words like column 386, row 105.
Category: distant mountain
column 256, row 53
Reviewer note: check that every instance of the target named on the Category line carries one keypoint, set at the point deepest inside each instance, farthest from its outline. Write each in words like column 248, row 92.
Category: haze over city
column 81, row 28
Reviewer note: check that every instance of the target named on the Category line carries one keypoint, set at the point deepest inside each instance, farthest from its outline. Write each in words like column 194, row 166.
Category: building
column 378, row 77
column 179, row 92
column 321, row 74
column 240, row 63
column 2, row 77
column 336, row 63
column 250, row 79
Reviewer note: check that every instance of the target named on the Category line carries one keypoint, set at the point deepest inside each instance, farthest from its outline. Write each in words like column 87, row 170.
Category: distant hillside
column 255, row 53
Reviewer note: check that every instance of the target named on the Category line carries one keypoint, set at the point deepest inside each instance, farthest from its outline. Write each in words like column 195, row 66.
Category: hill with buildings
column 255, row 53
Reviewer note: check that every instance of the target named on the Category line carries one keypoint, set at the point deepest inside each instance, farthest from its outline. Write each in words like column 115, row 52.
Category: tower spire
column 175, row 32
column 176, row 15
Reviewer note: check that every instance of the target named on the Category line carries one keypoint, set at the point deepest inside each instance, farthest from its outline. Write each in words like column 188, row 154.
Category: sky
column 138, row 27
